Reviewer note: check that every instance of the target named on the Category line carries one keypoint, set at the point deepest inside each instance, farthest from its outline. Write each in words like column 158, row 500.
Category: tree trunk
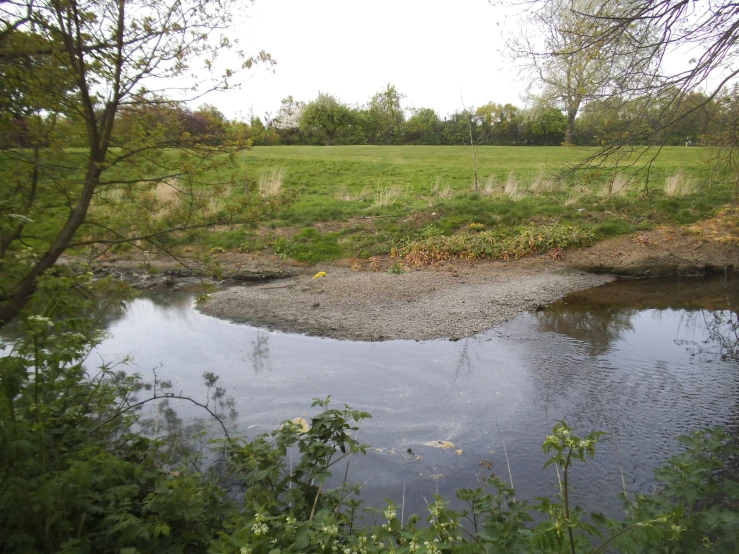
column 25, row 289
column 570, row 133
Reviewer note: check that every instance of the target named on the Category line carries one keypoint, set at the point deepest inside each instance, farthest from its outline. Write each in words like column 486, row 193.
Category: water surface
column 644, row 361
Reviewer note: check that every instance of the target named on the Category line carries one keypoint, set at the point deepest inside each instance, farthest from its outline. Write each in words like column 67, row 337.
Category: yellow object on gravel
column 319, row 274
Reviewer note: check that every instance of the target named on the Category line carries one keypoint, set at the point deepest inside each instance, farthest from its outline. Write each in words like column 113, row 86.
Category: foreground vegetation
column 98, row 461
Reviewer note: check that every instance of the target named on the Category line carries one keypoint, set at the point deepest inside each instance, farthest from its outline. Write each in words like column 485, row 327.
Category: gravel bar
column 450, row 302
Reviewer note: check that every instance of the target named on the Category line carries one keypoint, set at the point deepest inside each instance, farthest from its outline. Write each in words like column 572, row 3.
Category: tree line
column 385, row 121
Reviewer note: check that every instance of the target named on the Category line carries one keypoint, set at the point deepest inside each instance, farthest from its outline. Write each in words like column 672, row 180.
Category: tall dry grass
column 270, row 181
column 679, row 185
column 513, row 188
column 542, row 184
column 491, row 186
column 387, row 195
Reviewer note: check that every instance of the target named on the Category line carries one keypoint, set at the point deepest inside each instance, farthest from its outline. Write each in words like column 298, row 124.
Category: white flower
column 40, row 320
column 332, row 530
column 259, row 529
column 390, row 513
column 431, row 548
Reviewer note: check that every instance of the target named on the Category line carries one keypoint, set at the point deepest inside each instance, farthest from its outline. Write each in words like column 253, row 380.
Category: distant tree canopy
column 599, row 122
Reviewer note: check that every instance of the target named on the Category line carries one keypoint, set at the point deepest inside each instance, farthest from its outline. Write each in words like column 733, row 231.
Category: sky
column 438, row 53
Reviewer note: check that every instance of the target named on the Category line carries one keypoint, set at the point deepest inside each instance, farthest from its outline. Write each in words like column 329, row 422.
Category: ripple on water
column 645, row 373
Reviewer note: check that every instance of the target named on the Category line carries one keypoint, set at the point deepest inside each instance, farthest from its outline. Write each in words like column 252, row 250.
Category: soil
column 364, row 300
column 451, row 301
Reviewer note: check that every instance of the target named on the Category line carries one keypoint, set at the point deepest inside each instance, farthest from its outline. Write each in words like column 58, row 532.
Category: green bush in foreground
column 84, row 469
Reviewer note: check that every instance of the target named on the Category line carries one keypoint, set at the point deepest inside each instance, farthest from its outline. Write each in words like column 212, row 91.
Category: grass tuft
column 679, row 185
column 270, row 181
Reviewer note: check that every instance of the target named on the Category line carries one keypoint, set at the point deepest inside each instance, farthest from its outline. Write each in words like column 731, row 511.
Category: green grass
column 366, row 200
column 385, row 197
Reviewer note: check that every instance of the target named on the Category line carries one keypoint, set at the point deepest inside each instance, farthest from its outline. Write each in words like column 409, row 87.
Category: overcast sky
column 431, row 50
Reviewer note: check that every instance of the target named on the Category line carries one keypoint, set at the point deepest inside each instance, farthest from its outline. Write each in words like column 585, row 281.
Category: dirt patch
column 231, row 268
column 452, row 301
column 709, row 246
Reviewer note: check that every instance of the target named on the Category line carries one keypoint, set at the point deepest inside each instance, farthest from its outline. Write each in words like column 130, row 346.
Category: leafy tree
column 641, row 38
column 499, row 123
column 287, row 121
column 423, row 127
column 386, row 116
column 553, row 48
column 546, row 126
column 325, row 115
column 88, row 64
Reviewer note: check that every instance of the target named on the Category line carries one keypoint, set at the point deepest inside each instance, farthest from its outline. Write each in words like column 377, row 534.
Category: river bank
column 385, row 298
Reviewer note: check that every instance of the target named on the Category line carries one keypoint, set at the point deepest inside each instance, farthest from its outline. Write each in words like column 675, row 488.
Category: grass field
column 372, row 200
column 419, row 201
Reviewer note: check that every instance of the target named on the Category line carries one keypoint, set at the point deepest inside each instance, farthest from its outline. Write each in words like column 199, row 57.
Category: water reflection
column 595, row 329
column 259, row 355
column 599, row 317
column 642, row 374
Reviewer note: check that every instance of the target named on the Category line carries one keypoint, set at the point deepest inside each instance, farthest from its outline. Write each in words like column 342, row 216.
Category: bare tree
column 658, row 50
column 550, row 51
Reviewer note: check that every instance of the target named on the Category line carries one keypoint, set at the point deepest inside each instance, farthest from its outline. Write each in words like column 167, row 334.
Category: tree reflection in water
column 259, row 355
column 597, row 329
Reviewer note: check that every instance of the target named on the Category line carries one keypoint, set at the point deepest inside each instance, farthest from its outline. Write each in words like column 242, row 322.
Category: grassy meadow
column 413, row 202
column 364, row 201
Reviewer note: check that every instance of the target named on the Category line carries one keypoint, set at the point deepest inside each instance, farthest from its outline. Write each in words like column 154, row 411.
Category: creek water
column 644, row 361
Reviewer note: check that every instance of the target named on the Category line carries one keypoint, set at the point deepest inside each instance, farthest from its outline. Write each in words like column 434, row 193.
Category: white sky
column 431, row 50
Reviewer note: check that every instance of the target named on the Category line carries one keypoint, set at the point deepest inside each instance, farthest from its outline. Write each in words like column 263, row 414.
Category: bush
column 503, row 244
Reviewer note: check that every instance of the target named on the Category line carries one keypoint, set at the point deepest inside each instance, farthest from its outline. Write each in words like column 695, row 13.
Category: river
column 644, row 361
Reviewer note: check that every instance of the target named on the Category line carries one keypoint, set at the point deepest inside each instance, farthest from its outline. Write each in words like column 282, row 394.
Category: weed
column 679, row 185
column 512, row 187
column 643, row 241
column 396, row 269
column 270, row 182
column 490, row 187
column 385, row 196
column 618, row 184
column 498, row 245
column 541, row 184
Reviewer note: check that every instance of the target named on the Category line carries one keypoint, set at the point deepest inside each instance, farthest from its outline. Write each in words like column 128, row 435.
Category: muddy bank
column 451, row 302
column 169, row 274
column 665, row 252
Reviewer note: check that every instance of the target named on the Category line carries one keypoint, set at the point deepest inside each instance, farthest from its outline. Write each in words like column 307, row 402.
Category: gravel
column 450, row 302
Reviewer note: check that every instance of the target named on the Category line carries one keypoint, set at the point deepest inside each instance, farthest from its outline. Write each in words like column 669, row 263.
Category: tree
column 545, row 126
column 554, row 54
column 287, row 121
column 326, row 115
column 386, row 117
column 423, row 127
column 87, row 64
column 643, row 38
column 499, row 123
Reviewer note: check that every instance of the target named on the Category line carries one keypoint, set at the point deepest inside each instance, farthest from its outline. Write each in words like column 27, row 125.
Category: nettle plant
column 288, row 511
